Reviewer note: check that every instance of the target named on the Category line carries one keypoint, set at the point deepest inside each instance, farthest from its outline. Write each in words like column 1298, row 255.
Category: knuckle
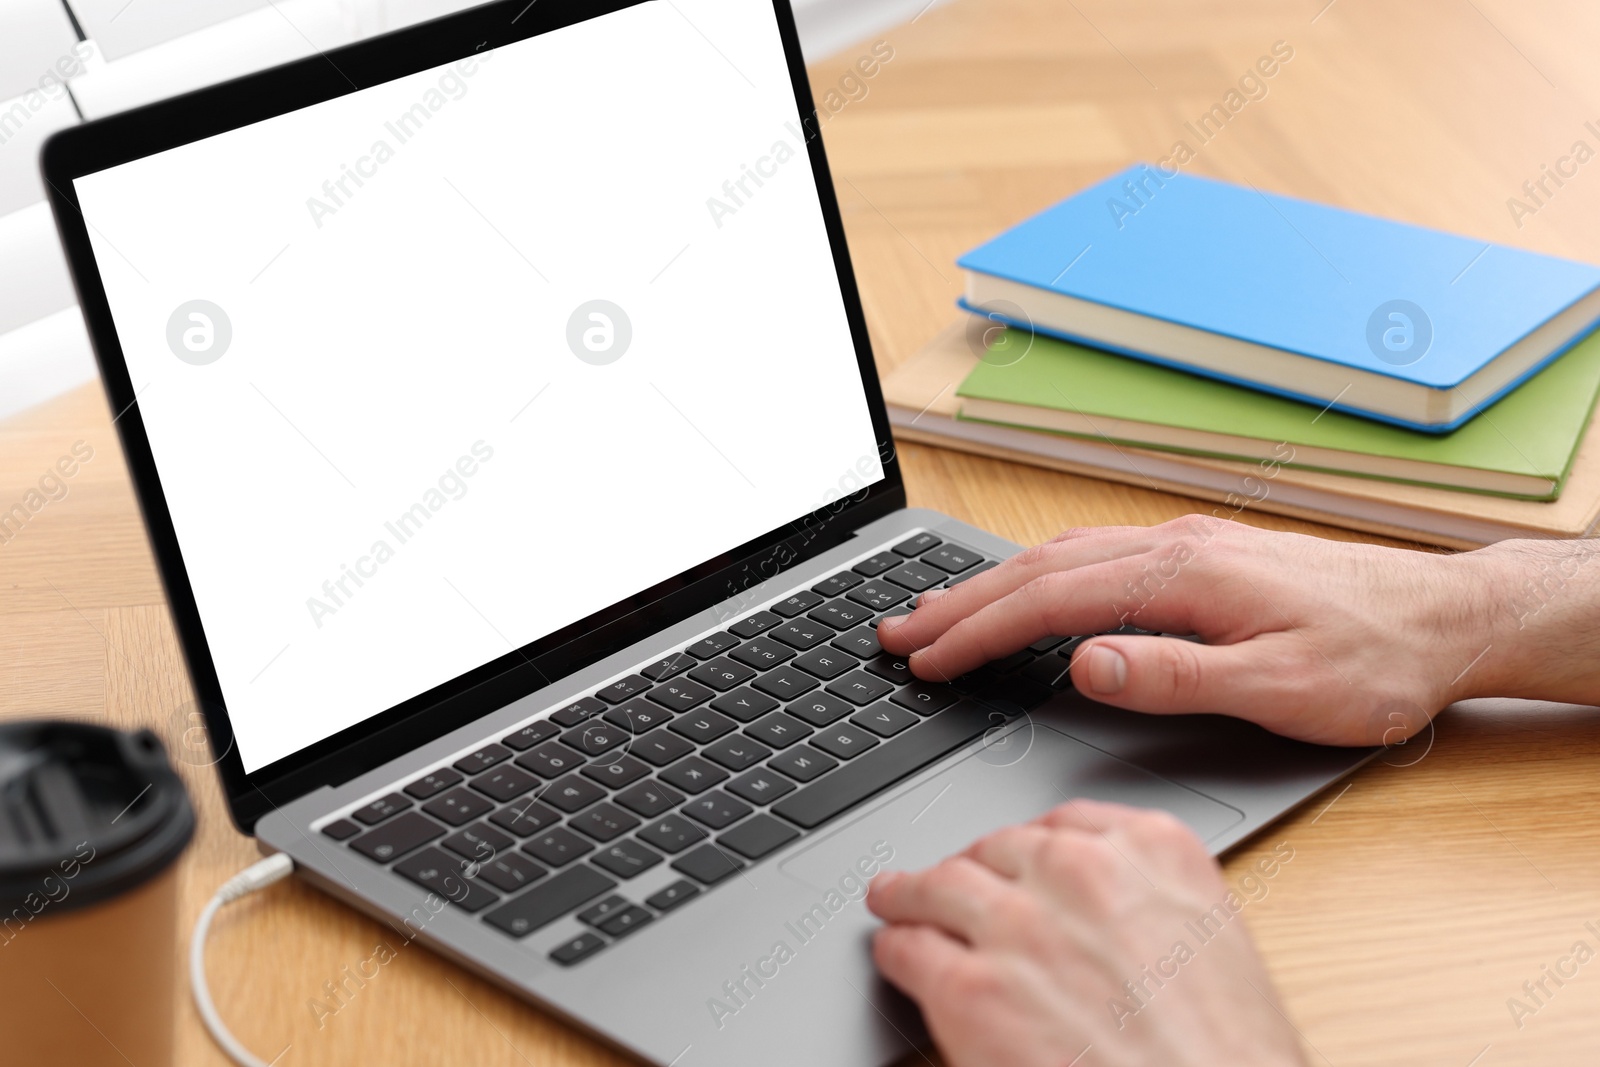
column 1035, row 556
column 1072, row 533
column 1164, row 830
column 1202, row 527
column 971, row 981
column 1181, row 674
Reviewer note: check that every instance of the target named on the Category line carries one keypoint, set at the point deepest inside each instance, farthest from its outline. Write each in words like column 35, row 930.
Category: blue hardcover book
column 1382, row 319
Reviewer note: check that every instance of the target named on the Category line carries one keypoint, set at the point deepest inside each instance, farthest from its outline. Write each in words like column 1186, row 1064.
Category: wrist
column 1539, row 636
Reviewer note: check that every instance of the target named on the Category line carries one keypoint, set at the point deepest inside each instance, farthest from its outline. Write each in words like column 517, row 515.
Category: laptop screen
column 436, row 368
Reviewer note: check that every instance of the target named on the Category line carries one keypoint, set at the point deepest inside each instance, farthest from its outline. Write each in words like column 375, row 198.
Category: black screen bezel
column 154, row 128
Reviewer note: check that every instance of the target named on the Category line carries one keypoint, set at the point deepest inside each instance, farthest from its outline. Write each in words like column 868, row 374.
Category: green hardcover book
column 1521, row 446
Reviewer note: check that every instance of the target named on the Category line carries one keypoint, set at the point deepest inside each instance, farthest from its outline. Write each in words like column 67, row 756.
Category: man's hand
column 1043, row 941
column 1319, row 640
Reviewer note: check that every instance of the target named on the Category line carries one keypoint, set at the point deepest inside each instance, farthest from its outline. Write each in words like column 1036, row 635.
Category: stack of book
column 1266, row 352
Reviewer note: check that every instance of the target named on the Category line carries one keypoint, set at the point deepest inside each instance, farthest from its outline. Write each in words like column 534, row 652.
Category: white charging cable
column 247, row 881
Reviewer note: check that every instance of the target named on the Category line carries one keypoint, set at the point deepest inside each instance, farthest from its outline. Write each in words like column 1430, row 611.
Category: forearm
column 1542, row 637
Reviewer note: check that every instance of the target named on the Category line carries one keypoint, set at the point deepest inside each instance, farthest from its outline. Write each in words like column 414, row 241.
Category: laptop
column 500, row 404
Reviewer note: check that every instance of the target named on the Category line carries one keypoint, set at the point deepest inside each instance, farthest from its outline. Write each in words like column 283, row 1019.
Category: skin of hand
column 1057, row 941
column 1323, row 641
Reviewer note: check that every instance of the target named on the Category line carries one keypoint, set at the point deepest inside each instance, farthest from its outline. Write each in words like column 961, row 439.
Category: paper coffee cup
column 91, row 820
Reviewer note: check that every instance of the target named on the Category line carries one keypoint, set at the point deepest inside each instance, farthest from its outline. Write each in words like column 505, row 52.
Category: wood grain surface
column 1419, row 900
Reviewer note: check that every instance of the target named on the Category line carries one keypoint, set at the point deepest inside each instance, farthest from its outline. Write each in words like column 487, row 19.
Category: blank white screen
column 390, row 335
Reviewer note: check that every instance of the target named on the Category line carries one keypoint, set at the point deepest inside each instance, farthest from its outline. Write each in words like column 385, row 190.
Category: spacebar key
column 883, row 766
column 548, row 901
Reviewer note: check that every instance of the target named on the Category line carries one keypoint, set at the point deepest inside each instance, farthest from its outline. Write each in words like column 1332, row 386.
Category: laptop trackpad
column 1015, row 777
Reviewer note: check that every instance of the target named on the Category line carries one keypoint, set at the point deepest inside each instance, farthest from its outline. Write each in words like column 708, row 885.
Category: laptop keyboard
column 708, row 760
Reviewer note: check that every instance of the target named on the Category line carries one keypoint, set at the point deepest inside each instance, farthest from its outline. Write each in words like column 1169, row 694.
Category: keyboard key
column 861, row 642
column 649, row 799
column 577, row 711
column 917, row 545
column 479, row 841
column 803, row 634
column 673, row 895
column 549, row 901
column 702, row 726
column 707, row 864
column 1046, row 644
column 1049, row 670
column 660, row 747
column 952, row 558
column 668, row 667
column 458, row 807
column 397, row 837
column 603, row 822
column 778, row 729
column 378, row 810
column 744, row 704
column 578, row 949
column 434, row 783
column 820, row 709
column 841, row 614
column 483, row 759
column 758, row 837
column 974, row 572
column 786, row 683
column 760, row 622
column 884, row 719
column 557, row 847
column 672, row 834
column 826, row 663
column 799, row 603
column 681, row 695
column 432, row 869
column 722, row 674
column 550, row 760
column 896, row 669
column 504, row 783
column 638, row 715
column 626, row 858
column 623, row 688
column 341, row 829
column 838, row 583
column 572, row 793
column 882, row 767
column 693, row 775
column 532, row 734
column 627, row 921
column 879, row 596
column 510, row 872
column 844, row 741
column 803, row 763
column 596, row 737
column 1013, row 695
column 859, row 687
column 876, row 565
column 615, row 771
column 762, row 654
column 1013, row 662
column 760, row 786
column 604, row 909
column 915, row 576
column 716, row 810
column 925, row 698
column 713, row 646
column 737, row 752
column 526, row 817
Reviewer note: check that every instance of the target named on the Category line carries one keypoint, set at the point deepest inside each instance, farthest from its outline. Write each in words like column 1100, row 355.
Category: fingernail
column 930, row 596
column 1108, row 671
column 893, row 622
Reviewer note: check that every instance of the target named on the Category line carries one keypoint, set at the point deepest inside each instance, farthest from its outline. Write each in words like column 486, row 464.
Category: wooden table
column 1419, row 899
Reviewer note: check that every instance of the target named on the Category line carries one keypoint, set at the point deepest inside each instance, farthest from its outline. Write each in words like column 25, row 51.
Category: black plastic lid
column 86, row 813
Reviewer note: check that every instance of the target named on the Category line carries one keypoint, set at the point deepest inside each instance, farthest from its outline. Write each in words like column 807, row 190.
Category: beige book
column 923, row 405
